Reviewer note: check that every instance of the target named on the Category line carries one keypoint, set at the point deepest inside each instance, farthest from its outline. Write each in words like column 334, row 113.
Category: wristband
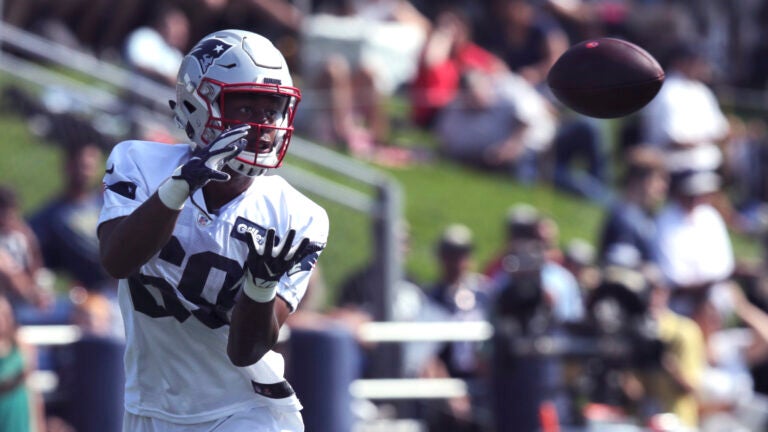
column 173, row 193
column 264, row 293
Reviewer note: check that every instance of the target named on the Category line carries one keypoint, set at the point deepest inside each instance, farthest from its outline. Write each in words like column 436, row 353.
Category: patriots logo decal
column 309, row 261
column 208, row 51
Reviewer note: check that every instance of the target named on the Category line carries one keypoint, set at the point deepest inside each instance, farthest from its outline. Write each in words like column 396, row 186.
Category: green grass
column 28, row 164
column 443, row 193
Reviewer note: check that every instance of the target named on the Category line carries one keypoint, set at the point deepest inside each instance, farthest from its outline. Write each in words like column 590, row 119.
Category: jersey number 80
column 191, row 285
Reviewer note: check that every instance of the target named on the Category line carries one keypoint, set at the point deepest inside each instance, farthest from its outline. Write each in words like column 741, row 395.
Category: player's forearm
column 127, row 243
column 253, row 331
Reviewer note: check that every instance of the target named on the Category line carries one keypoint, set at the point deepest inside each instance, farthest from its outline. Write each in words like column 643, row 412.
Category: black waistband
column 277, row 390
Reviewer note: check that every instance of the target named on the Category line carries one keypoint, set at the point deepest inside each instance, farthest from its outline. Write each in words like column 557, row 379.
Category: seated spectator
column 360, row 300
column 525, row 37
column 631, row 220
column 66, row 225
column 498, row 122
column 156, row 49
column 448, row 53
column 746, row 156
column 674, row 387
column 22, row 275
column 685, row 119
column 352, row 59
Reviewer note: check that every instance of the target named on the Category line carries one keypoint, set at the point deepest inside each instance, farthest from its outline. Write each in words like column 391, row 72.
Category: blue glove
column 268, row 262
column 204, row 166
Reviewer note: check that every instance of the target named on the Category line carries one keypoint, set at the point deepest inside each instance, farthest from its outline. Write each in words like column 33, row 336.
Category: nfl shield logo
column 202, row 220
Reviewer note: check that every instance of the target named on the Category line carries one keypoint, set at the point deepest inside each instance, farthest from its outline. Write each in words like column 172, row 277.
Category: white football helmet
column 235, row 62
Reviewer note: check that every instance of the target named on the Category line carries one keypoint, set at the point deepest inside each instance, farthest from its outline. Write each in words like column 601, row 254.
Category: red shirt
column 434, row 87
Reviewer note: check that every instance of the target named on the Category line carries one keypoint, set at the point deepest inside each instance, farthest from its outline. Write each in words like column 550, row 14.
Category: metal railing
column 372, row 332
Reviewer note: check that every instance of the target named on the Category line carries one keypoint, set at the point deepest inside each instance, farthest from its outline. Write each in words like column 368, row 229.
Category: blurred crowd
column 672, row 181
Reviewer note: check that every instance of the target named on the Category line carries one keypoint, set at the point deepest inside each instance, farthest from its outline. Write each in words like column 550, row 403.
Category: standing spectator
column 461, row 293
column 211, row 253
column 527, row 229
column 631, row 220
column 694, row 248
column 746, row 159
column 21, row 410
column 675, row 384
column 581, row 159
column 66, row 228
column 21, row 266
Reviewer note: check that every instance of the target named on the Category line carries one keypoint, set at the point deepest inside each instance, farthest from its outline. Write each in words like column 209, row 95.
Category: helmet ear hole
column 190, row 108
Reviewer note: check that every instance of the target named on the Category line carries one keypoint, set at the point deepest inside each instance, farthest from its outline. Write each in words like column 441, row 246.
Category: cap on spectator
column 456, row 238
column 623, row 255
column 631, row 279
column 580, row 251
column 522, row 221
column 693, row 183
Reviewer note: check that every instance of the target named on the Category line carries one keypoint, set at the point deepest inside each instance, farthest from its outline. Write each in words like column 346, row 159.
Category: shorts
column 259, row 419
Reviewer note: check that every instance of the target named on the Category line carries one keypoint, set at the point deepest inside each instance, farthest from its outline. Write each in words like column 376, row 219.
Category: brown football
column 605, row 78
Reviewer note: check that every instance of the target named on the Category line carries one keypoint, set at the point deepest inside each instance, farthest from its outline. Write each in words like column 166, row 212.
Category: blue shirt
column 67, row 235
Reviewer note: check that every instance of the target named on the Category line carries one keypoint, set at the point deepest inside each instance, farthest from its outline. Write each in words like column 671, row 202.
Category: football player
column 211, row 253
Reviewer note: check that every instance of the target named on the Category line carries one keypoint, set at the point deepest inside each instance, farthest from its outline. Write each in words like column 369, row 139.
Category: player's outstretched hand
column 268, row 261
column 204, row 166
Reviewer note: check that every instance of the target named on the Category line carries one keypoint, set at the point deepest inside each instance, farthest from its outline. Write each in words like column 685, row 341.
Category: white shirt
column 177, row 309
column 466, row 131
column 146, row 48
column 684, row 111
column 693, row 248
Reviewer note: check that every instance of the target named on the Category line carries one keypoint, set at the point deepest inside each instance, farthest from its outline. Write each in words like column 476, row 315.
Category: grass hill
column 435, row 194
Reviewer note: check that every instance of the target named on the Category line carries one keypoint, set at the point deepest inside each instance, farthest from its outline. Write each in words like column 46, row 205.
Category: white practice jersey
column 177, row 307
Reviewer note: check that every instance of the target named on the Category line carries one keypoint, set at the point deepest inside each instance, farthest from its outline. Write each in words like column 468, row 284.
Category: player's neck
column 218, row 194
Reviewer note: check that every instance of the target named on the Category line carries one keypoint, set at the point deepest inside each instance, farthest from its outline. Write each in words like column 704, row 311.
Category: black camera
column 521, row 297
column 618, row 315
